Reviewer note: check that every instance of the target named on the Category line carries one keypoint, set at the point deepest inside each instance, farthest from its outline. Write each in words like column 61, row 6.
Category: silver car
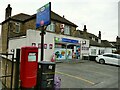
column 109, row 58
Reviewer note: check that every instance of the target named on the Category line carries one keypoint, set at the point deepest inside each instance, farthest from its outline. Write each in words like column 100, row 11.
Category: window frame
column 67, row 30
column 17, row 27
column 51, row 27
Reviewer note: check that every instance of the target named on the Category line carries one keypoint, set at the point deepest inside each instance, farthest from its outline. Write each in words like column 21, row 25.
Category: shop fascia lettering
column 66, row 40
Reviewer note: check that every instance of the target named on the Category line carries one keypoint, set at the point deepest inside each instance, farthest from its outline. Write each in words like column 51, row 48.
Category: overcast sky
column 97, row 15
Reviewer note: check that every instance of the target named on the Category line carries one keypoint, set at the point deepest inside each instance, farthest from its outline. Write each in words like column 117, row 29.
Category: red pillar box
column 28, row 66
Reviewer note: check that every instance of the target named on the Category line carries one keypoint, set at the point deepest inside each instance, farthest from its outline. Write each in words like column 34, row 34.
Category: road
column 87, row 74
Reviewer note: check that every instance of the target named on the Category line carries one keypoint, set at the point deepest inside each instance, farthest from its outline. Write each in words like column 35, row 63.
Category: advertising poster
column 60, row 54
column 69, row 53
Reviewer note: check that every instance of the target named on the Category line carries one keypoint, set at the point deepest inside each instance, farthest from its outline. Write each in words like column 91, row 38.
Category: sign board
column 31, row 57
column 43, row 15
column 69, row 40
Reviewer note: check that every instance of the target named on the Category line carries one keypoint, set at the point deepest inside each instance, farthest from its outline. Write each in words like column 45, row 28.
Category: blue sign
column 43, row 15
column 69, row 40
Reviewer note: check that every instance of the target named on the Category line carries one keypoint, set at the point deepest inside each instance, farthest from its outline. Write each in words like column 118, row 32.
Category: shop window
column 57, row 45
column 51, row 27
column 67, row 30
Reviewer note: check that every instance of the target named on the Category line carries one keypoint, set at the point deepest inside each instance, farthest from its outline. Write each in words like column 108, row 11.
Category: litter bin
column 45, row 75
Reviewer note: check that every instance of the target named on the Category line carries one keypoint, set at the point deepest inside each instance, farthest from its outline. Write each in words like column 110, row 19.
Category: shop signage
column 69, row 40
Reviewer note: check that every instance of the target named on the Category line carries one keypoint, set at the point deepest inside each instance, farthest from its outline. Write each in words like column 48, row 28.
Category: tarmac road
column 87, row 74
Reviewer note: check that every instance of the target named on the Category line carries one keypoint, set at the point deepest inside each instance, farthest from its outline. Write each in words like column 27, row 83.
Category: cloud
column 96, row 14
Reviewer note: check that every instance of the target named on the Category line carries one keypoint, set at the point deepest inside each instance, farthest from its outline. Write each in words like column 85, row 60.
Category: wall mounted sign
column 33, row 44
column 50, row 46
column 69, row 40
column 39, row 45
column 45, row 46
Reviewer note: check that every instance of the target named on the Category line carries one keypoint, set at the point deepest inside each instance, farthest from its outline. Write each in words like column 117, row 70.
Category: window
column 17, row 29
column 96, row 39
column 115, row 56
column 118, row 56
column 51, row 27
column 93, row 38
column 108, row 55
column 67, row 30
column 93, row 51
column 102, row 52
column 90, row 37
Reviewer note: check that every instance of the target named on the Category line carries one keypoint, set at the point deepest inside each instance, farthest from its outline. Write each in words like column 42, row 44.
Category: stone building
column 15, row 26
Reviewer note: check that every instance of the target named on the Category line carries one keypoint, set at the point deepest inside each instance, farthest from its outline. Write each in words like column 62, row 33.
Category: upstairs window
column 67, row 30
column 51, row 27
column 93, row 38
column 96, row 39
column 17, row 27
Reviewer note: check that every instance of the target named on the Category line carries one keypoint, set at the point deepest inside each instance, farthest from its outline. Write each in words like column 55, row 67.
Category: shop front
column 67, row 49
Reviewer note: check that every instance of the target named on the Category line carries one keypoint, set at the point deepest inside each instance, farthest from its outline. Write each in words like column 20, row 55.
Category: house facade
column 96, row 45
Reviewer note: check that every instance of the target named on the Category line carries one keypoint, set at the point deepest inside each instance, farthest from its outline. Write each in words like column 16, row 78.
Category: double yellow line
column 85, row 80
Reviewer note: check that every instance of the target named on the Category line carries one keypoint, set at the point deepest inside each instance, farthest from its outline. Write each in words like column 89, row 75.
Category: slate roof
column 58, row 18
column 87, row 35
column 106, row 43
column 25, row 17
column 21, row 16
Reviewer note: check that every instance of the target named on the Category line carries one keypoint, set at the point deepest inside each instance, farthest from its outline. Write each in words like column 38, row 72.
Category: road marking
column 85, row 80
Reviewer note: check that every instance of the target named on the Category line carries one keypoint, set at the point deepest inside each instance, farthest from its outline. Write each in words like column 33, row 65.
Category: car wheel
column 101, row 61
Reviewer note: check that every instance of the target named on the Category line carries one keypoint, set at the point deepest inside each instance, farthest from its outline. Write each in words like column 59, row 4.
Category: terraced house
column 97, row 45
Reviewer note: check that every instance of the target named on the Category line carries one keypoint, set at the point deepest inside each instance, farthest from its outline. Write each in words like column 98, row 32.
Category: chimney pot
column 8, row 11
column 99, row 35
column 85, row 28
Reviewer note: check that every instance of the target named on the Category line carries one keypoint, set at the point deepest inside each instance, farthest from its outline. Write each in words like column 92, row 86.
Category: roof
column 57, row 17
column 94, row 43
column 79, row 34
column 87, row 35
column 106, row 43
column 21, row 17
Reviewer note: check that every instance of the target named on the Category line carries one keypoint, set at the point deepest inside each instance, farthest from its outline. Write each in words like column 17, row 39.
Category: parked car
column 109, row 58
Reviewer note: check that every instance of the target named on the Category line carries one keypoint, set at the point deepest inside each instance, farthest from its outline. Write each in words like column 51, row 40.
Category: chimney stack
column 99, row 35
column 8, row 11
column 84, row 29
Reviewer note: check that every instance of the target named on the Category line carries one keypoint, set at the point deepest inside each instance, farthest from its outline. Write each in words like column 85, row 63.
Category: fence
column 9, row 69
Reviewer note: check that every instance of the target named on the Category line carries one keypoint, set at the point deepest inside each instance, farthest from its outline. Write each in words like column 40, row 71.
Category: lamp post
column 42, row 41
